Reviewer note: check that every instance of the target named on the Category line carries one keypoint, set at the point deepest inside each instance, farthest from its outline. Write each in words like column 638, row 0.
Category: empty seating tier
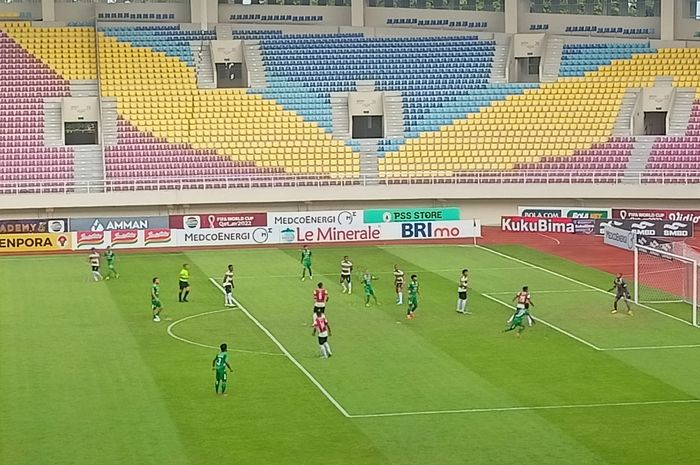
column 156, row 92
column 27, row 164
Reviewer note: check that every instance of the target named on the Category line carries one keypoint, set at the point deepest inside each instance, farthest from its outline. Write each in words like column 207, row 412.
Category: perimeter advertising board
column 32, row 226
column 124, row 238
column 565, row 212
column 310, row 233
column 668, row 229
column 620, row 238
column 336, row 218
column 229, row 236
column 407, row 215
column 538, row 225
column 218, row 220
column 118, row 223
column 656, row 214
column 45, row 242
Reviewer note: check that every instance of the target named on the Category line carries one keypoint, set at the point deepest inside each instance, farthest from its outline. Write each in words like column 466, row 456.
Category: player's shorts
column 621, row 295
column 398, row 287
column 318, row 309
column 345, row 278
column 369, row 290
column 95, row 268
column 322, row 340
column 221, row 375
column 110, row 266
column 156, row 304
column 517, row 321
column 413, row 302
column 462, row 295
column 184, row 285
column 306, row 264
column 228, row 289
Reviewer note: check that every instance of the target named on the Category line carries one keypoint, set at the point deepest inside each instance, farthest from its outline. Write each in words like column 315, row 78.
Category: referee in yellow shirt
column 184, row 283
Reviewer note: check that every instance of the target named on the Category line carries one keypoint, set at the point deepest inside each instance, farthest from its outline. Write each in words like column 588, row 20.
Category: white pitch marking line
column 528, row 408
column 557, row 291
column 284, row 350
column 680, row 346
column 554, row 273
column 194, row 343
column 546, row 323
column 550, row 237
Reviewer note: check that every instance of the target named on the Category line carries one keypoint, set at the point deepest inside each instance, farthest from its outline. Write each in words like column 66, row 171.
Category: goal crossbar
column 673, row 277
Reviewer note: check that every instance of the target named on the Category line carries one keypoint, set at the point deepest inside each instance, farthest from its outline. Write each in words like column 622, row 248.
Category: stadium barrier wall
column 487, row 201
column 246, row 229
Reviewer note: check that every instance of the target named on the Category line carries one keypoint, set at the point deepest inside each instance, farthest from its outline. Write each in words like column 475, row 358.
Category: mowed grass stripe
column 73, row 384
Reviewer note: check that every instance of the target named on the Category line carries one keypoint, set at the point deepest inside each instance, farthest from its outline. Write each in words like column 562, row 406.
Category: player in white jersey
column 94, row 259
column 228, row 287
column 323, row 329
column 399, row 279
column 462, row 289
column 346, row 275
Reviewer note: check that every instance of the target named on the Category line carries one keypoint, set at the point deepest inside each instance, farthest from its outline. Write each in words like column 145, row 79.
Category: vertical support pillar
column 511, row 16
column 48, row 10
column 668, row 20
column 357, row 13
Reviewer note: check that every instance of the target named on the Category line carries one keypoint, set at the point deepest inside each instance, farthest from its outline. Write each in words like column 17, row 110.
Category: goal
column 665, row 277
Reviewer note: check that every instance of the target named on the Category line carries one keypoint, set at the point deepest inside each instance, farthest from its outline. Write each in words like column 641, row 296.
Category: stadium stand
column 677, row 154
column 27, row 164
column 456, row 122
column 578, row 58
column 155, row 86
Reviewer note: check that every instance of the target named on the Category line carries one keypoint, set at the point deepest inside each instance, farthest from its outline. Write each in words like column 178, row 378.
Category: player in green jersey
column 219, row 365
column 367, row 279
column 184, row 282
column 306, row 263
column 412, row 297
column 517, row 321
column 111, row 271
column 156, row 306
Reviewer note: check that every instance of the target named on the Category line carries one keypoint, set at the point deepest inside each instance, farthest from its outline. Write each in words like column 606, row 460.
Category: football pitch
column 87, row 378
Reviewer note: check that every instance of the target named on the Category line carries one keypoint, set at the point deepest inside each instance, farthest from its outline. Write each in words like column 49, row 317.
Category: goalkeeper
column 621, row 292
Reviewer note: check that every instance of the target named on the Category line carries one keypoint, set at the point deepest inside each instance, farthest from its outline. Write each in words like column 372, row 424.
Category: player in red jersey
column 320, row 299
column 523, row 303
column 323, row 329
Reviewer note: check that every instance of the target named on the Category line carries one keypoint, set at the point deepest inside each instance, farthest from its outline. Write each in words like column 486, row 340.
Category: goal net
column 666, row 277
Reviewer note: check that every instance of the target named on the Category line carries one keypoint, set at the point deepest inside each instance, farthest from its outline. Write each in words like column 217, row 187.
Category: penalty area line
column 528, row 408
column 289, row 356
column 546, row 323
column 172, row 334
column 581, row 283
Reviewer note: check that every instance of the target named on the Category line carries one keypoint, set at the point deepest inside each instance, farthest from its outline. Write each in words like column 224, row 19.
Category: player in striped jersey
column 94, row 259
column 323, row 329
column 462, row 289
column 346, row 275
column 228, row 287
column 320, row 299
column 398, row 284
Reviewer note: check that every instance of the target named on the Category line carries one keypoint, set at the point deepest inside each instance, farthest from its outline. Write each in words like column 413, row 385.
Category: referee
column 184, row 283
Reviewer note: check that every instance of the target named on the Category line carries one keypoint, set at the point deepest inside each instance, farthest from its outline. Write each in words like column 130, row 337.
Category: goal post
column 665, row 277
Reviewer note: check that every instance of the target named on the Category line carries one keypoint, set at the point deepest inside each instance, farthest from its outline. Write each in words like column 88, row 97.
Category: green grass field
column 87, row 378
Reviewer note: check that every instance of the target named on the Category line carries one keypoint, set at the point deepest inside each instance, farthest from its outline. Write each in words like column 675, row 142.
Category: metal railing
column 408, row 178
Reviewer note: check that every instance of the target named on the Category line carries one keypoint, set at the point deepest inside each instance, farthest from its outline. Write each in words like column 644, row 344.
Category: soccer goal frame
column 688, row 268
